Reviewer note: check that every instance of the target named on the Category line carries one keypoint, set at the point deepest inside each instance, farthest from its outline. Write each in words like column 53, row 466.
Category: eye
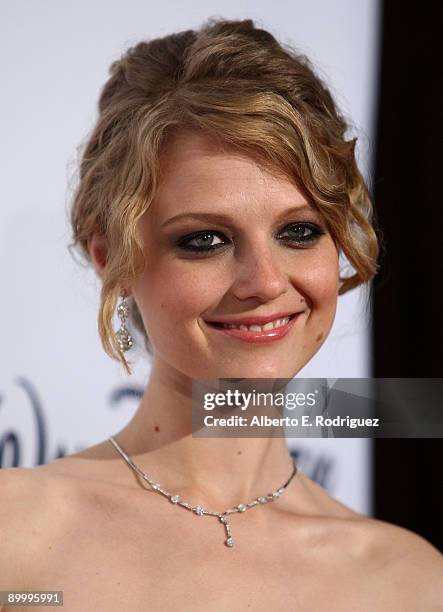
column 203, row 242
column 303, row 233
column 299, row 235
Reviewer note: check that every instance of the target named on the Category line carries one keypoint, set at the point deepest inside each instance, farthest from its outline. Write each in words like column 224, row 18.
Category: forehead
column 197, row 171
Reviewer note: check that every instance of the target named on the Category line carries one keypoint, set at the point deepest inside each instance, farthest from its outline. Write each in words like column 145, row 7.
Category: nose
column 260, row 274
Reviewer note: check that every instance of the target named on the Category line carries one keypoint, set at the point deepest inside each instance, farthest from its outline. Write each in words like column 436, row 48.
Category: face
column 225, row 240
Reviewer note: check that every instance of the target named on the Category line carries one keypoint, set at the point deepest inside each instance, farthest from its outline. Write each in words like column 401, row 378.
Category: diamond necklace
column 223, row 517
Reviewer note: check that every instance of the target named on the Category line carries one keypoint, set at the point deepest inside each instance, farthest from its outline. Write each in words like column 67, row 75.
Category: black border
column 408, row 294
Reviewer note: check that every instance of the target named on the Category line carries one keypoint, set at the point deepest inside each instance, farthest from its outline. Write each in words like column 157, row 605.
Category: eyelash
column 316, row 233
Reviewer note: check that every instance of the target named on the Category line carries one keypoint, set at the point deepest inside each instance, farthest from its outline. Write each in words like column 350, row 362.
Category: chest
column 127, row 563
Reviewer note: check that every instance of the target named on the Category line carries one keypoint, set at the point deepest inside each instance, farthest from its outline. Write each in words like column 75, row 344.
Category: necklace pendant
column 229, row 539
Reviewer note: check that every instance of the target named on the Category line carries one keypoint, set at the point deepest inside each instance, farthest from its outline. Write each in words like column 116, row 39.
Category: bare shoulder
column 408, row 547
column 402, row 561
column 394, row 561
column 37, row 506
column 30, row 492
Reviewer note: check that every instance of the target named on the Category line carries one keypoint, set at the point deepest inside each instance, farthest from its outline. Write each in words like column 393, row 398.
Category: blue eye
column 298, row 234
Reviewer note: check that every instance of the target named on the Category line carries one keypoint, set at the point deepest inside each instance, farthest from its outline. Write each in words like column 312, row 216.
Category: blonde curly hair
column 238, row 85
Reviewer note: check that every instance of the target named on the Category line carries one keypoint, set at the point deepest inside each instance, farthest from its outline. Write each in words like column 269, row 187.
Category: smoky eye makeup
column 296, row 234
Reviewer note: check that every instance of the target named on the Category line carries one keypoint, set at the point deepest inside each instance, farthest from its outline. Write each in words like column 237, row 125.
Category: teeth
column 267, row 327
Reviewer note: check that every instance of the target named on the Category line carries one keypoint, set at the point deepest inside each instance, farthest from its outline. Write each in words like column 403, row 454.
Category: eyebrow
column 227, row 219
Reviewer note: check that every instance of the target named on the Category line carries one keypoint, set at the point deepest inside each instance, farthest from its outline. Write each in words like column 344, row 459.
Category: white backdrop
column 58, row 391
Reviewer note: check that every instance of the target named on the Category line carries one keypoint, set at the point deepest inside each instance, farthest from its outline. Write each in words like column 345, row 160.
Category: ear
column 98, row 251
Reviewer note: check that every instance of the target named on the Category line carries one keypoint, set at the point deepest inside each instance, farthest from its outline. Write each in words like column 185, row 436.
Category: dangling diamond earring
column 124, row 338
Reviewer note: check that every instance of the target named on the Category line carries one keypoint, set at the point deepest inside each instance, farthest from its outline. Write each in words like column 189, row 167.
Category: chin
column 257, row 370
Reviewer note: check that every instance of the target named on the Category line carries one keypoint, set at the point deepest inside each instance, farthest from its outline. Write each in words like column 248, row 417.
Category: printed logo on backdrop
column 16, row 439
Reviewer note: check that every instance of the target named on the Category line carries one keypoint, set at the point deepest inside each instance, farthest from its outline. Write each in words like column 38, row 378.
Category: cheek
column 319, row 283
column 323, row 287
column 168, row 298
column 321, row 279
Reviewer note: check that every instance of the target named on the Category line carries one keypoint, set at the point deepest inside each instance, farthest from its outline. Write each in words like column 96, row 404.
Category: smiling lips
column 258, row 329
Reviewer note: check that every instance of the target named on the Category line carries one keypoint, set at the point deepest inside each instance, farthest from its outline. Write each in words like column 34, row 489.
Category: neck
column 221, row 471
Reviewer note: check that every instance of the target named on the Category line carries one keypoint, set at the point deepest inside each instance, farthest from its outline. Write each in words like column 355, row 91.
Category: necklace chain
column 199, row 510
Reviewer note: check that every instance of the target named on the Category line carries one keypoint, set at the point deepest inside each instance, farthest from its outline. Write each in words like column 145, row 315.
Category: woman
column 216, row 189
